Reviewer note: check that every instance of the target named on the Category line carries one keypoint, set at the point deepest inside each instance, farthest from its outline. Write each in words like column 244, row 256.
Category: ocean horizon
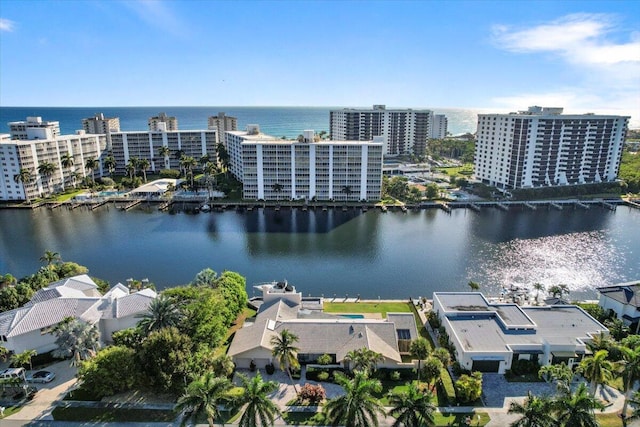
column 273, row 120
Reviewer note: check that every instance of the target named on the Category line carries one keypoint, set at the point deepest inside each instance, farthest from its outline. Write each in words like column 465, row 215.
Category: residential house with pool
column 282, row 308
column 489, row 337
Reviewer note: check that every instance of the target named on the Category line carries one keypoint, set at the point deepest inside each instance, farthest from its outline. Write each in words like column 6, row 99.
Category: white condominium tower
column 543, row 147
column 99, row 124
column 222, row 123
column 439, row 126
column 162, row 122
column 404, row 131
column 37, row 167
column 276, row 169
column 34, row 128
column 162, row 149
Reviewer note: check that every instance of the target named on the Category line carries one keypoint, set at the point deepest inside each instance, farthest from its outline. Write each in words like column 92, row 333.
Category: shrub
column 270, row 369
column 434, row 321
column 325, row 359
column 395, row 376
column 112, row 370
column 524, row 367
column 323, row 376
column 469, row 388
column 447, row 387
column 312, row 393
column 169, row 173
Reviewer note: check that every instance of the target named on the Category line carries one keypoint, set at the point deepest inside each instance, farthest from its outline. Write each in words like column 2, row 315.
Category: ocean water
column 276, row 121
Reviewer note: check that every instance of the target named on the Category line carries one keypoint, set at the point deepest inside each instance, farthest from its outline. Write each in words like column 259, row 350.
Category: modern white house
column 308, row 169
column 488, row 337
column 623, row 299
column 319, row 333
column 29, row 327
column 543, row 147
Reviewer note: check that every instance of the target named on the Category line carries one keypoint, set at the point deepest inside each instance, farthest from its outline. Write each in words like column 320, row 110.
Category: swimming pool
column 353, row 316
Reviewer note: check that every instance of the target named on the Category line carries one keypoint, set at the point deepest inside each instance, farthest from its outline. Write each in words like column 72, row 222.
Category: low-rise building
column 318, row 333
column 623, row 299
column 490, row 337
column 307, row 169
column 30, row 327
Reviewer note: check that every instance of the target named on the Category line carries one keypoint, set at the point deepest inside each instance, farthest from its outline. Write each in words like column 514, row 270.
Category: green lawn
column 608, row 420
column 70, row 195
column 112, row 415
column 458, row 419
column 367, row 307
column 10, row 410
column 462, row 171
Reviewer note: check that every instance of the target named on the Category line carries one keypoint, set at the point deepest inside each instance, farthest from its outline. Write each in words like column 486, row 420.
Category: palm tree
column 23, row 176
column 164, row 152
column 91, row 164
column 46, row 169
column 443, row 355
column 561, row 374
column 577, row 409
column 202, row 398
column 76, row 339
column 24, row 358
column 223, row 156
column 473, row 285
column 536, row 411
column 131, row 167
column 432, row 370
column 363, row 359
column 357, row 407
column 67, row 160
column 597, row 369
column 50, row 257
column 538, row 287
column 110, row 163
column 277, row 188
column 162, row 313
column 630, row 371
column 557, row 291
column 259, row 409
column 188, row 163
column 144, row 164
column 222, row 365
column 420, row 349
column 412, row 408
column 4, row 352
column 347, row 190
column 286, row 352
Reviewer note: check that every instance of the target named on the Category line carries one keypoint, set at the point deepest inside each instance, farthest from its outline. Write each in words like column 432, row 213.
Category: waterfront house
column 490, row 337
column 29, row 327
column 318, row 332
column 623, row 299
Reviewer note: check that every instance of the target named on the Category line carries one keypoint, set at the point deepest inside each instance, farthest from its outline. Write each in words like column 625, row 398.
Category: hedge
column 446, row 382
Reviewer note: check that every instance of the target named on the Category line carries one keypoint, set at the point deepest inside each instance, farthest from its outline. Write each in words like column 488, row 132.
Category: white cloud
column 579, row 38
column 7, row 25
column 604, row 60
column 158, row 14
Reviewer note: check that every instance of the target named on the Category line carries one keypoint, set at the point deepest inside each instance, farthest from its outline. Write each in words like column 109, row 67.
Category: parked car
column 41, row 377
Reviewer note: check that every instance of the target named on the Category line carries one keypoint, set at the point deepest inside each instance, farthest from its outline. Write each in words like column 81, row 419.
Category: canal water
column 372, row 254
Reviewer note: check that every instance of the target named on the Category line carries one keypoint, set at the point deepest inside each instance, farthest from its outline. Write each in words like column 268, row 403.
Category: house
column 489, row 337
column 29, row 327
column 318, row 332
column 624, row 300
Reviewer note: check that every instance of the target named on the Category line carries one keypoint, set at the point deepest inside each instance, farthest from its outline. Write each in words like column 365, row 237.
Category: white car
column 41, row 377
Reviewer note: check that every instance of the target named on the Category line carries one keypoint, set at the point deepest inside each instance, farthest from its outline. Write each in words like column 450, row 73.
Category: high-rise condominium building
column 222, row 123
column 34, row 128
column 404, row 131
column 439, row 126
column 162, row 122
column 101, row 124
column 39, row 167
column 276, row 169
column 162, row 149
column 543, row 147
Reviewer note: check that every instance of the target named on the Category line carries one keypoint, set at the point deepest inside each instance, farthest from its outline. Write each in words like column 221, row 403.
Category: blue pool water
column 353, row 316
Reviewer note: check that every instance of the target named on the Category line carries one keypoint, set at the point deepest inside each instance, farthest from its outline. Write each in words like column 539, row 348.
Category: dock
column 165, row 205
column 55, row 205
column 609, row 206
column 531, row 206
column 445, row 207
column 556, row 206
column 474, row 207
column 97, row 205
column 632, row 204
column 131, row 205
column 502, row 206
column 403, row 208
column 383, row 208
column 581, row 205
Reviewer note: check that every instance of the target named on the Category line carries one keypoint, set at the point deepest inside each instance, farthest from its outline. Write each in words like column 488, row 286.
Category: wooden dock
column 132, row 205
column 97, row 205
column 556, row 206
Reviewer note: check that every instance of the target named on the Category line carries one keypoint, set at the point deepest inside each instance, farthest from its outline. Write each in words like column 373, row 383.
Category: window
column 403, row 334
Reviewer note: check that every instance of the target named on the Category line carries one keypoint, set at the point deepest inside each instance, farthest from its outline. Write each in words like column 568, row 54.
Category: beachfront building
column 99, row 124
column 148, row 145
column 623, row 300
column 282, row 308
column 490, row 337
column 162, row 122
column 222, row 123
column 40, row 166
column 543, row 147
column 439, row 126
column 29, row 327
column 34, row 128
column 404, row 131
column 276, row 169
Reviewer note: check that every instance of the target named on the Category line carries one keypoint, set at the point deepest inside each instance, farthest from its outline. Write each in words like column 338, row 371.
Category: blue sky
column 583, row 55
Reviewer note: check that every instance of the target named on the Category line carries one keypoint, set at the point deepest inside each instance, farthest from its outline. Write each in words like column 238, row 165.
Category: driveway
column 495, row 390
column 42, row 404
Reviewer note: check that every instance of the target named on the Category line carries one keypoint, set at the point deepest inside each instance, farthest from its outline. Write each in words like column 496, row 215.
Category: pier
column 556, row 206
column 609, row 206
column 445, row 207
column 97, row 205
column 131, row 205
column 531, row 206
column 581, row 205
column 502, row 206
